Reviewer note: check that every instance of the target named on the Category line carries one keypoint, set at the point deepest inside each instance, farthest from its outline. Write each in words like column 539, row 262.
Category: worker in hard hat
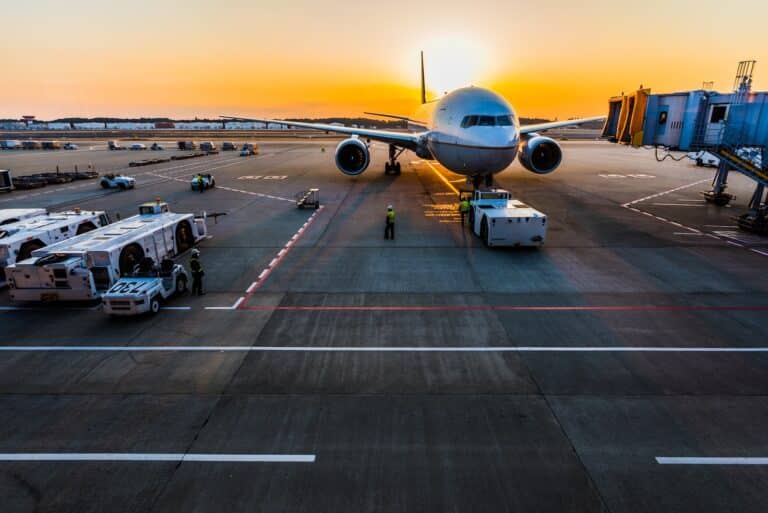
column 463, row 208
column 199, row 179
column 197, row 273
column 389, row 229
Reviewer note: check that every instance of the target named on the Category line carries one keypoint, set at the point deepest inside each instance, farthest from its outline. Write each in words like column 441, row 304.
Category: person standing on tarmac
column 200, row 183
column 197, row 273
column 463, row 209
column 389, row 228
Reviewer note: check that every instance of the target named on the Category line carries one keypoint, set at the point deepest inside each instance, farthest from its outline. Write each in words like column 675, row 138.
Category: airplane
column 471, row 131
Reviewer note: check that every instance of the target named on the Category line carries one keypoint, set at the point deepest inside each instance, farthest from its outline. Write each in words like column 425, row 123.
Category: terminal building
column 730, row 127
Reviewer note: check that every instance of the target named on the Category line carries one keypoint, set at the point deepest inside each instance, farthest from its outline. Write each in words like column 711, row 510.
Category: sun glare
column 451, row 63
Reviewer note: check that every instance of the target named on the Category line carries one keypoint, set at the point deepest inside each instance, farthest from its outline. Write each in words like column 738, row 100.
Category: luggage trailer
column 84, row 267
column 14, row 215
column 19, row 240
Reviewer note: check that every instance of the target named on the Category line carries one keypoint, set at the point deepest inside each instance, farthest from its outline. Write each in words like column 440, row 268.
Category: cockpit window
column 470, row 121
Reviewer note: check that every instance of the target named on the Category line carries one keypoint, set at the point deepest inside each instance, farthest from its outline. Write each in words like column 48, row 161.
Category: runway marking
column 688, row 233
column 663, row 193
column 264, row 274
column 380, row 349
column 678, row 205
column 764, row 253
column 508, row 308
column 159, row 457
column 735, row 460
column 235, row 306
column 175, row 308
column 443, row 178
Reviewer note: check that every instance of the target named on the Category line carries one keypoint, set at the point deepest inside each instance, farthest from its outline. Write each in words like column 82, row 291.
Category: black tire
column 181, row 285
column 484, row 232
column 387, row 168
column 154, row 305
column 397, row 168
column 130, row 256
column 213, row 184
column 26, row 249
column 105, row 184
column 121, row 186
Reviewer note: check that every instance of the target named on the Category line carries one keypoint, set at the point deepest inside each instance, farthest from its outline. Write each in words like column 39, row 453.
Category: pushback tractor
column 500, row 220
column 86, row 266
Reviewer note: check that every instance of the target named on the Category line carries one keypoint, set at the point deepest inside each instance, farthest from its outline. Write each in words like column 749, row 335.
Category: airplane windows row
column 469, row 121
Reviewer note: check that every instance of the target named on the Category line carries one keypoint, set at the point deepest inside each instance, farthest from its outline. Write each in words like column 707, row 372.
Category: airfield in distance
column 428, row 373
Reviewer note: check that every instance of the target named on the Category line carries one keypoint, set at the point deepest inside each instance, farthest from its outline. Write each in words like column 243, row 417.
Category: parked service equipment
column 500, row 220
column 146, row 288
column 10, row 145
column 186, row 145
column 88, row 265
column 14, row 215
column 138, row 146
column 71, row 146
column 6, row 180
column 115, row 145
column 228, row 146
column 207, row 146
column 205, row 180
column 156, row 147
column 121, row 182
column 18, row 240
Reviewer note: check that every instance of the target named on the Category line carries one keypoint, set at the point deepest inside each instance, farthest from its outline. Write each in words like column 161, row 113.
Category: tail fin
column 423, row 86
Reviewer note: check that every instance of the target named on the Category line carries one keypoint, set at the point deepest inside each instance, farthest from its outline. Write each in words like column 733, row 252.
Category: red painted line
column 275, row 262
column 508, row 308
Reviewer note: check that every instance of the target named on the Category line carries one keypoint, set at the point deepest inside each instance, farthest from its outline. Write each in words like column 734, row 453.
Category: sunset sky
column 553, row 58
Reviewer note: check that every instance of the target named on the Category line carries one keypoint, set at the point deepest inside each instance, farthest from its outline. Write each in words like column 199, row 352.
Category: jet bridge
column 732, row 126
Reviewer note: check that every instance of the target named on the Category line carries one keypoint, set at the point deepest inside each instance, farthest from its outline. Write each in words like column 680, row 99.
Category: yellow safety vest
column 464, row 206
column 391, row 216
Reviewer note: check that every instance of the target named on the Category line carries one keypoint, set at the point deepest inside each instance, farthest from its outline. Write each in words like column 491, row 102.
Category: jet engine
column 352, row 156
column 540, row 155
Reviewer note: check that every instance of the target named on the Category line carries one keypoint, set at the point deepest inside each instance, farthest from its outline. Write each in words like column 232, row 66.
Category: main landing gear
column 479, row 180
column 392, row 167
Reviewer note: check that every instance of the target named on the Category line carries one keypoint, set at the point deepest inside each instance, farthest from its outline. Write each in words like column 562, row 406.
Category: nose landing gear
column 480, row 180
column 392, row 167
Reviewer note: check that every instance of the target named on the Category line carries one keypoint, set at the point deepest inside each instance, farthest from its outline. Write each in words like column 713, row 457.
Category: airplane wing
column 401, row 139
column 557, row 124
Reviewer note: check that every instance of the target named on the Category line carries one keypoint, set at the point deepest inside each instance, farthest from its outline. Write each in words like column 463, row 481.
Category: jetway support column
column 717, row 195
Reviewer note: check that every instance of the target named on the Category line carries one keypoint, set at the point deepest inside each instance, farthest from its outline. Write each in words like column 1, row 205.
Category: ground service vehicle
column 19, row 240
column 6, row 180
column 115, row 145
column 207, row 146
column 206, row 181
column 71, row 146
column 228, row 146
column 500, row 220
column 138, row 146
column 145, row 288
column 14, row 215
column 156, row 147
column 86, row 266
column 249, row 149
column 121, row 182
column 187, row 145
column 10, row 145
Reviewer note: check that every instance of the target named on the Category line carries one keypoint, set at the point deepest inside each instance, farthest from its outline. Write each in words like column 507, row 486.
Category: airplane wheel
column 397, row 168
column 387, row 168
column 489, row 180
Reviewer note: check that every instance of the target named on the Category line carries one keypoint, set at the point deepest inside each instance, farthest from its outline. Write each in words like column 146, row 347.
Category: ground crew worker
column 389, row 228
column 463, row 209
column 197, row 273
column 200, row 182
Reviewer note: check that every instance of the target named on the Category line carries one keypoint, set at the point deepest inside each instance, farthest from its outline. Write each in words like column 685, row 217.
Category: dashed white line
column 737, row 460
column 158, row 457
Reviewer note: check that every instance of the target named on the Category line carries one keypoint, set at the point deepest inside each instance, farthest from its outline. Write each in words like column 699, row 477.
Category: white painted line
column 678, row 205
column 735, row 244
column 687, row 233
column 386, row 349
column 667, row 460
column 272, row 263
column 158, row 457
column 251, row 288
column 175, row 308
column 263, row 273
column 238, row 303
column 764, row 253
column 281, row 252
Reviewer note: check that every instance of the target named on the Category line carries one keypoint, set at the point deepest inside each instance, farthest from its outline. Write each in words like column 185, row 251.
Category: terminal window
column 718, row 113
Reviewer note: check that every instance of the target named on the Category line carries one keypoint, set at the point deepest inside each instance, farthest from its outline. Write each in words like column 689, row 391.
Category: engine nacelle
column 352, row 156
column 540, row 155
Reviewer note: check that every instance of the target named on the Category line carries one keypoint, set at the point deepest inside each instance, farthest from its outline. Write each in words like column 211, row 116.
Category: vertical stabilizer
column 423, row 86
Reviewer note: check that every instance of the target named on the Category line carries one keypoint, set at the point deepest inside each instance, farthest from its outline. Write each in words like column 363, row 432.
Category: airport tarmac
column 330, row 370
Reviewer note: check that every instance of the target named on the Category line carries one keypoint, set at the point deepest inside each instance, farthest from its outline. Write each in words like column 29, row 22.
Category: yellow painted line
column 444, row 179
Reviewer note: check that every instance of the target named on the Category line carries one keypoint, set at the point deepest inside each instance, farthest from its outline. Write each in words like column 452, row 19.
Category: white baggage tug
column 88, row 265
column 145, row 288
column 19, row 240
column 500, row 220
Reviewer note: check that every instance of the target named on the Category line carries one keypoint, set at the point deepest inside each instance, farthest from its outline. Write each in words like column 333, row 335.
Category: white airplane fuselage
column 471, row 131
